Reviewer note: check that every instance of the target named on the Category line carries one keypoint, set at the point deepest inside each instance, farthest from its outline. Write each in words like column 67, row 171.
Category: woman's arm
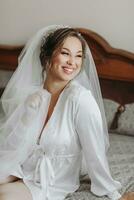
column 88, row 123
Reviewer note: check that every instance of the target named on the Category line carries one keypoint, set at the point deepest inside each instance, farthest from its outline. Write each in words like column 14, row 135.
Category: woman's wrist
column 114, row 195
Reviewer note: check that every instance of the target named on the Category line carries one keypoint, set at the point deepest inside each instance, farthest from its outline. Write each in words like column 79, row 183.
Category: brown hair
column 54, row 41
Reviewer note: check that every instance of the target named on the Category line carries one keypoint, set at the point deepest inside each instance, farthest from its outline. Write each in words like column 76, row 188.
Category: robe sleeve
column 88, row 124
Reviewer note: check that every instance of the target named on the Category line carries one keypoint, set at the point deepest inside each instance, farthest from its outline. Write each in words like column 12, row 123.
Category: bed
column 115, row 68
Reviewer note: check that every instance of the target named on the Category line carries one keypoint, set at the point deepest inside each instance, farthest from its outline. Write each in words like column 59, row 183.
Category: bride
column 53, row 115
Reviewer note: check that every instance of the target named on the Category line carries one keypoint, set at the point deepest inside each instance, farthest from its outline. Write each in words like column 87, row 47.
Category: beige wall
column 113, row 19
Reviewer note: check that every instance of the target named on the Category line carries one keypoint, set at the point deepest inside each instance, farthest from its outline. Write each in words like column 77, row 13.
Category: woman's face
column 66, row 63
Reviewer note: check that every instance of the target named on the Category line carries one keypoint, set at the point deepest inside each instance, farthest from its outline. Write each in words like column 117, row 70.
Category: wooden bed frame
column 115, row 67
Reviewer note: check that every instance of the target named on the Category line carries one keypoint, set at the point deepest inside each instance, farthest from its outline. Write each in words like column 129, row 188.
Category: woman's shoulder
column 76, row 91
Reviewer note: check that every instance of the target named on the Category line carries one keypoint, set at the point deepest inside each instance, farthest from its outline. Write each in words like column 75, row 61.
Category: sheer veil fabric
column 15, row 124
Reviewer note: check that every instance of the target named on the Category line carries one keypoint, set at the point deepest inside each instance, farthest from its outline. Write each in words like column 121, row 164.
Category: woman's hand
column 32, row 105
column 34, row 100
column 128, row 196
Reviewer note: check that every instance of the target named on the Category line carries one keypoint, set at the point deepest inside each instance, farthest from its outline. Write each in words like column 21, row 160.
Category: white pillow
column 111, row 108
column 126, row 121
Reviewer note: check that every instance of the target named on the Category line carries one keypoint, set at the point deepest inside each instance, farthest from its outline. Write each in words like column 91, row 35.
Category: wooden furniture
column 115, row 67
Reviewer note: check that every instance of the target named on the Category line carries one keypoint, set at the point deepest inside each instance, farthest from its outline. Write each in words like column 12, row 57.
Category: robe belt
column 44, row 170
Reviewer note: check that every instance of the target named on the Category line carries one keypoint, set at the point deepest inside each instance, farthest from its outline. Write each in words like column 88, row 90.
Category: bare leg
column 128, row 196
column 14, row 191
column 9, row 179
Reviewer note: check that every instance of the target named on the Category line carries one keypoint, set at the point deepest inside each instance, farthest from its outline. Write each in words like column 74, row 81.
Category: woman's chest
column 59, row 135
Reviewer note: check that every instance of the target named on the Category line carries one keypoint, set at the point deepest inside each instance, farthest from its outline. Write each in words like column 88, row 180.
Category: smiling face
column 66, row 62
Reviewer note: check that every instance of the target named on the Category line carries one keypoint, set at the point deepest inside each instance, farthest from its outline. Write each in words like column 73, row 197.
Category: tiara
column 51, row 31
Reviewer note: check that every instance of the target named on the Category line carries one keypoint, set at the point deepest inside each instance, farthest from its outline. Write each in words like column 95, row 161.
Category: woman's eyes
column 79, row 56
column 66, row 53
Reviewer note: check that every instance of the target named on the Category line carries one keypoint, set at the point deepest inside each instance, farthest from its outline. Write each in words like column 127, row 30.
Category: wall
column 112, row 19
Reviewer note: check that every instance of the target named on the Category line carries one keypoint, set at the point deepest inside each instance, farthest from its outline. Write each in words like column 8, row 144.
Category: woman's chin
column 68, row 76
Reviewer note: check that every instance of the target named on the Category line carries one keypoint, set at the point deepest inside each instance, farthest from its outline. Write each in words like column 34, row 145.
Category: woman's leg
column 15, row 191
column 128, row 196
column 9, row 179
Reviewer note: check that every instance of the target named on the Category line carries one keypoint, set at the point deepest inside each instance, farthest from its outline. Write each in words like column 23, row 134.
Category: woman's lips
column 68, row 70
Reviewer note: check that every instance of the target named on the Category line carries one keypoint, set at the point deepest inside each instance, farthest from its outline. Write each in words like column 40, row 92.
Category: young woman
column 53, row 116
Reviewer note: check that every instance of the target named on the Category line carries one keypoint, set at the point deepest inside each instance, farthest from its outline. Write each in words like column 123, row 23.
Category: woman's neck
column 54, row 87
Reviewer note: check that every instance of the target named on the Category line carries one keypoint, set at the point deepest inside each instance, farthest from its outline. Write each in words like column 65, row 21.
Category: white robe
column 52, row 168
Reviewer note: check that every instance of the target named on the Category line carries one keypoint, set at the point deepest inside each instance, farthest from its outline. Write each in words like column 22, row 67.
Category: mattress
column 121, row 162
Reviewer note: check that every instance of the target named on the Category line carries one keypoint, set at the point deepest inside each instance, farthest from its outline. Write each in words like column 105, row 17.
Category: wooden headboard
column 115, row 67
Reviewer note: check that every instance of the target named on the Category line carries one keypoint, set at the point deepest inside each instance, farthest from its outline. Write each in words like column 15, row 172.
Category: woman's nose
column 71, row 61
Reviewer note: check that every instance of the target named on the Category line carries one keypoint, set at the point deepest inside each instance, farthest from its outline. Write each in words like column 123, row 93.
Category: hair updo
column 54, row 42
